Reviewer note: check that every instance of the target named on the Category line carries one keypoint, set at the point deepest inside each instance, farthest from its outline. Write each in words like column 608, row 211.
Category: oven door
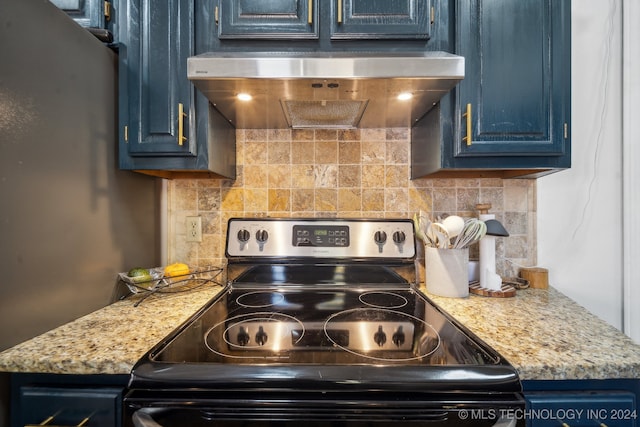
column 318, row 409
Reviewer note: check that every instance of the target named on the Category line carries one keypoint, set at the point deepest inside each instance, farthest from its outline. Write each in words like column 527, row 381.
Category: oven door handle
column 142, row 418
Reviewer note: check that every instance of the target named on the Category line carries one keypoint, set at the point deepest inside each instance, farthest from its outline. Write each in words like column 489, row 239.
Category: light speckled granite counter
column 107, row 341
column 544, row 334
column 547, row 336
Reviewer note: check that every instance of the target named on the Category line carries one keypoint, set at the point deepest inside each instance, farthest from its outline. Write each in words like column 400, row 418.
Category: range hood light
column 405, row 96
column 244, row 97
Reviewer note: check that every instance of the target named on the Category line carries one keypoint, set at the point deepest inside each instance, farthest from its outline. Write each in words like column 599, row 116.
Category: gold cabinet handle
column 47, row 422
column 107, row 11
column 310, row 13
column 44, row 423
column 181, row 116
column 216, row 15
column 467, row 138
column 339, row 11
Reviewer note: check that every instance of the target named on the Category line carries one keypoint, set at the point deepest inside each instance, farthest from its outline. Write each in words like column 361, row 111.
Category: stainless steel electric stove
column 322, row 322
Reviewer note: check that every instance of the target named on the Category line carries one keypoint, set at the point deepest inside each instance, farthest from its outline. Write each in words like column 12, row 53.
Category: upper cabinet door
column 87, row 13
column 381, row 19
column 273, row 19
column 514, row 99
column 156, row 96
column 510, row 116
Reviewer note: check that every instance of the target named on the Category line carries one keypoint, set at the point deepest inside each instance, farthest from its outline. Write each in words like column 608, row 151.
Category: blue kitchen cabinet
column 331, row 20
column 612, row 402
column 381, row 19
column 275, row 19
column 87, row 13
column 94, row 15
column 67, row 400
column 154, row 44
column 166, row 128
column 510, row 116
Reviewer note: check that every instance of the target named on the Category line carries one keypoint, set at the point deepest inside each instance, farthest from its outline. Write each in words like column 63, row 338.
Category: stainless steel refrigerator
column 69, row 219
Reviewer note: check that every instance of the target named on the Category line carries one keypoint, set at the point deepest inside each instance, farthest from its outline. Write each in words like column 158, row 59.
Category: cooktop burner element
column 380, row 332
column 255, row 331
column 383, row 299
column 260, row 299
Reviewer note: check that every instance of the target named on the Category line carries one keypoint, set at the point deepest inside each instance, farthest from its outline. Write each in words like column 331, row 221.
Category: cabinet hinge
column 433, row 15
column 126, row 134
column 566, row 131
column 107, row 10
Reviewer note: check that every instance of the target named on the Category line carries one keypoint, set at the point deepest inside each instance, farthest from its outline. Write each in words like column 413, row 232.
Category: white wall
column 631, row 166
column 580, row 211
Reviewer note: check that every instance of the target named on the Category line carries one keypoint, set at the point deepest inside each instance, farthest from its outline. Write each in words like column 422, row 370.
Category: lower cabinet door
column 62, row 406
column 575, row 408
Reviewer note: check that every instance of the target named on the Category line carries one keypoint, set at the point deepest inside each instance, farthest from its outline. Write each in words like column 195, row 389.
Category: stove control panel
column 320, row 238
column 321, row 235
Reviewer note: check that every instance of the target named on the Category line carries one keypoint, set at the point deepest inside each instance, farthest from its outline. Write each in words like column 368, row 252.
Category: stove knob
column 399, row 237
column 262, row 236
column 380, row 237
column 244, row 235
column 261, row 336
column 398, row 337
column 380, row 337
column 243, row 337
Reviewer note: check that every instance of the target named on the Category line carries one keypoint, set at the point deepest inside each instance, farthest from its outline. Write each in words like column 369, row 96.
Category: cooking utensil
column 454, row 225
column 473, row 230
column 422, row 225
column 418, row 221
column 439, row 235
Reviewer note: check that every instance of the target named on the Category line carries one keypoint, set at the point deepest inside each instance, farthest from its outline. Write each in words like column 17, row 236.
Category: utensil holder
column 447, row 272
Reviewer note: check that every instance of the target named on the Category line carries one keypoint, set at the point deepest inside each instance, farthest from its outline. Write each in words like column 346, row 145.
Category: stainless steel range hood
column 338, row 90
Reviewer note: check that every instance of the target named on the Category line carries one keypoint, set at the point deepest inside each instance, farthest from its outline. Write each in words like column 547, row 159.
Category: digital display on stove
column 318, row 338
column 321, row 235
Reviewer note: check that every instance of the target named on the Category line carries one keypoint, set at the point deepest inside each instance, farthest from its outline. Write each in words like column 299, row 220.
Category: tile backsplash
column 340, row 173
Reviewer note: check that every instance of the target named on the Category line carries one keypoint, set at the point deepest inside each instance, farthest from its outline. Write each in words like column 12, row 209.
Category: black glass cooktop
column 323, row 327
column 327, row 323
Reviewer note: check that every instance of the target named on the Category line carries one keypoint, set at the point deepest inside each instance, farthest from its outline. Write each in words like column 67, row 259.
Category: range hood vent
column 334, row 90
column 339, row 114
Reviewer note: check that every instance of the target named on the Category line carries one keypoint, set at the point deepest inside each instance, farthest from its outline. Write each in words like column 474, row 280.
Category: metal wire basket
column 160, row 283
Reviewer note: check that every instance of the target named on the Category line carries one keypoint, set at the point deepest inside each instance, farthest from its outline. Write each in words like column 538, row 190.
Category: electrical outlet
column 194, row 229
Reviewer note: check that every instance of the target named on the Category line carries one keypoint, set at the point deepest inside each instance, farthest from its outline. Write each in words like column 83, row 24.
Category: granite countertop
column 109, row 340
column 542, row 333
column 546, row 335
